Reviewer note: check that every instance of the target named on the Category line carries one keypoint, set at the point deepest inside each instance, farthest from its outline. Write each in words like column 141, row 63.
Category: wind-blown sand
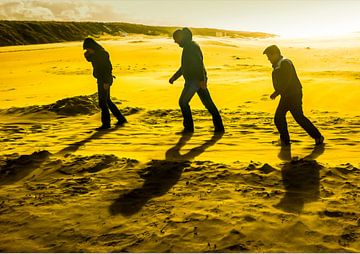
column 144, row 188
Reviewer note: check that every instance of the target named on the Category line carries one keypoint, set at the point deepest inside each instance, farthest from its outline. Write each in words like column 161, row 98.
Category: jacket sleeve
column 177, row 74
column 103, row 68
column 88, row 56
column 284, row 77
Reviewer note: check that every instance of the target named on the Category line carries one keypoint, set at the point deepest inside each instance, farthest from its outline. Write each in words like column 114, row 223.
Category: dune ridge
column 77, row 105
column 35, row 32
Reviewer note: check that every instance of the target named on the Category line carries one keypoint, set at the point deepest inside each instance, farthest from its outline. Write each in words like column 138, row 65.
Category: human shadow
column 301, row 179
column 19, row 168
column 159, row 176
column 174, row 152
column 73, row 147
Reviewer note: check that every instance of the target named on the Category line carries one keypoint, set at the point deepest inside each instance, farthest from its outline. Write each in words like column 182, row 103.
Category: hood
column 187, row 34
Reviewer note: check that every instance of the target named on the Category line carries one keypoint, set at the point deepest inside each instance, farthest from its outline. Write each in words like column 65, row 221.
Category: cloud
column 18, row 10
column 60, row 10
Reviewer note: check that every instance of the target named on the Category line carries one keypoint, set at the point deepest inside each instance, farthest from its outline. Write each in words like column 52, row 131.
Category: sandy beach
column 144, row 188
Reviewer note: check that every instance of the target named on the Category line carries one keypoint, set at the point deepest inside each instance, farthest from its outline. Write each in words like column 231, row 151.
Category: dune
column 34, row 32
column 78, row 105
column 144, row 188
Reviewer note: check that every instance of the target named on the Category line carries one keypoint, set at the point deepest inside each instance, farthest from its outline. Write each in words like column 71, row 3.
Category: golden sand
column 143, row 188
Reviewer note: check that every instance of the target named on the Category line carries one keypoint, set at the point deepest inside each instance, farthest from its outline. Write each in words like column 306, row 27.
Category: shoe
column 121, row 123
column 103, row 127
column 319, row 141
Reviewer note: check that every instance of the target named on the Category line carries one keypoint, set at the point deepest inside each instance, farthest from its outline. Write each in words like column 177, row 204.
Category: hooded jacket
column 102, row 68
column 192, row 65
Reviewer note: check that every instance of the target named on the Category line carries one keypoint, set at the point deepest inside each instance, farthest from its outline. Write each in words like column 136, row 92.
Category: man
column 102, row 71
column 193, row 70
column 287, row 84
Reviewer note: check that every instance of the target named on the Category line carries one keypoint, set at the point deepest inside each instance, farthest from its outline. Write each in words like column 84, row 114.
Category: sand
column 145, row 188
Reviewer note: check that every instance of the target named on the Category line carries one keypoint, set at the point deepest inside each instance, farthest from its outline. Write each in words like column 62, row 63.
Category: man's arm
column 274, row 95
column 177, row 75
column 88, row 56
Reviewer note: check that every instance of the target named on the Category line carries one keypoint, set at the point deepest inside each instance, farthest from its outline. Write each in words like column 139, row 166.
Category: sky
column 287, row 18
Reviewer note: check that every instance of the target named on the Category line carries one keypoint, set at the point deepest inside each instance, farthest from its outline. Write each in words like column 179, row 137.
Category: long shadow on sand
column 19, row 168
column 75, row 146
column 160, row 176
column 301, row 179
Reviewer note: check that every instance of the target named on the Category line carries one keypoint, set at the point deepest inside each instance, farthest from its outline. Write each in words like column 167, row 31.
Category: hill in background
column 35, row 32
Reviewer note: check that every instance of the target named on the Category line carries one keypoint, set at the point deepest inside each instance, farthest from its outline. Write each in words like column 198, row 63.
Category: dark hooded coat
column 192, row 65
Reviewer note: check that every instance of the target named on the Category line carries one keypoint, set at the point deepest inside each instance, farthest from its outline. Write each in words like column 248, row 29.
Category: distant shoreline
column 39, row 32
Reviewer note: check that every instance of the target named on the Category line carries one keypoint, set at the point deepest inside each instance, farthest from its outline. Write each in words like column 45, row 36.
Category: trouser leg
column 211, row 107
column 114, row 109
column 105, row 114
column 280, row 121
column 298, row 114
column 190, row 88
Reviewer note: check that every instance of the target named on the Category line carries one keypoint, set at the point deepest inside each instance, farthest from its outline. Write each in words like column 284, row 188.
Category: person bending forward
column 102, row 71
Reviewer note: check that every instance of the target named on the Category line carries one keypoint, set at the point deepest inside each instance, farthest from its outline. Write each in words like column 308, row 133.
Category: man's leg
column 190, row 88
column 298, row 114
column 211, row 107
column 105, row 114
column 280, row 121
column 114, row 109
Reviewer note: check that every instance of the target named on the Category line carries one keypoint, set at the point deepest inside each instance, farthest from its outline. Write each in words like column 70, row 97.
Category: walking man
column 102, row 71
column 287, row 84
column 193, row 70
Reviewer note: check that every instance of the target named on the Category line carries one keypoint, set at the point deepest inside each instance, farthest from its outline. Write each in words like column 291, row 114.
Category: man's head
column 89, row 43
column 273, row 54
column 181, row 36
column 178, row 36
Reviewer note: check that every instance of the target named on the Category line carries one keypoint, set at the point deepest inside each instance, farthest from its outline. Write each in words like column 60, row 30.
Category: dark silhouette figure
column 193, row 70
column 301, row 179
column 287, row 84
column 102, row 71
column 159, row 176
